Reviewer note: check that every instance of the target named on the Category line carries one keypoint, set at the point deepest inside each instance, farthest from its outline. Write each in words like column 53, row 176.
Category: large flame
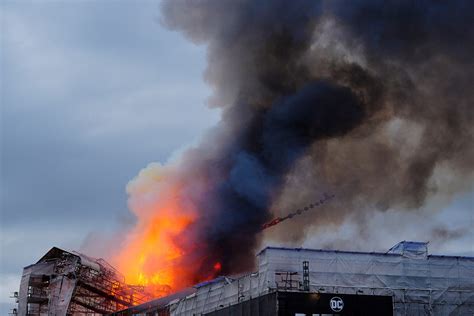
column 156, row 252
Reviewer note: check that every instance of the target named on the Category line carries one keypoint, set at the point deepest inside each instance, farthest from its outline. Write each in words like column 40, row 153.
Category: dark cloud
column 369, row 100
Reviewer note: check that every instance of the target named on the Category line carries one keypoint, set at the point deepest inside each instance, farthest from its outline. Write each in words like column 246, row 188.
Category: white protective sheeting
column 419, row 284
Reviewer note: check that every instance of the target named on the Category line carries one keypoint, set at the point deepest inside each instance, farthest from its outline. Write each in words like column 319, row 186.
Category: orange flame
column 154, row 254
column 152, row 257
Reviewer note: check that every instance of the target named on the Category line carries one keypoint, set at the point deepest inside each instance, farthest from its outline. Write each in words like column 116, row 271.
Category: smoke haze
column 369, row 100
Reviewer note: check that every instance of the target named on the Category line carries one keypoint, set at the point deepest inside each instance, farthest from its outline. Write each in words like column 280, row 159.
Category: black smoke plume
column 370, row 100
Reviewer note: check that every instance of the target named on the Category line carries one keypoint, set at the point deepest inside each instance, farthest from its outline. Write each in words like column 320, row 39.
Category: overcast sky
column 93, row 91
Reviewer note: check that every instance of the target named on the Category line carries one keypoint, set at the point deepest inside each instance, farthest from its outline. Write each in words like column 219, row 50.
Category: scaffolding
column 70, row 283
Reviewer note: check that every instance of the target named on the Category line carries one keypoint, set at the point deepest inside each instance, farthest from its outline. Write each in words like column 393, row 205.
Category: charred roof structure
column 70, row 283
column 406, row 280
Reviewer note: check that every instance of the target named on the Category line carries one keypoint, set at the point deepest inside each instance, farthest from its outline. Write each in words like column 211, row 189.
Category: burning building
column 405, row 280
column 371, row 101
column 70, row 283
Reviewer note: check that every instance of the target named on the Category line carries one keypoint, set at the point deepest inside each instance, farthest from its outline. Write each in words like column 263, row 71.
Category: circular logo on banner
column 336, row 304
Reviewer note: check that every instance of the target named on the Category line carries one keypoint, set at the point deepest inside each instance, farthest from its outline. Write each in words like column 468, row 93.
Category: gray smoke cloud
column 369, row 100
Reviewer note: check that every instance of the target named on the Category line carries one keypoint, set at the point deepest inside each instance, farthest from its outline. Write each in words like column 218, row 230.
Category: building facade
column 406, row 280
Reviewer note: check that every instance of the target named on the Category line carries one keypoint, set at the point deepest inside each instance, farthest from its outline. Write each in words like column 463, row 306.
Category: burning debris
column 369, row 99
